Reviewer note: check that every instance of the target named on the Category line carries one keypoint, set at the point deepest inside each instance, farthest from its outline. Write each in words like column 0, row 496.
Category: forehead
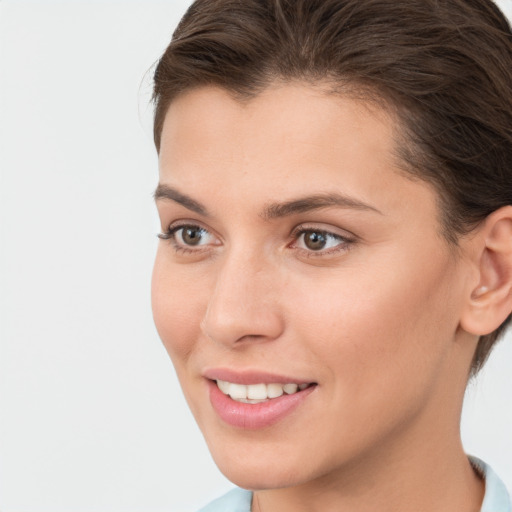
column 278, row 105
column 287, row 138
column 293, row 122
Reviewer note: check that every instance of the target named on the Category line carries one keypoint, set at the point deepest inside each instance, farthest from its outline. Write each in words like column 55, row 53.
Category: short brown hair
column 444, row 66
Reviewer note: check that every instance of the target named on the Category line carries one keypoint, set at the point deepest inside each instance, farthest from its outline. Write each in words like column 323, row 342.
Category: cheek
column 177, row 308
column 394, row 313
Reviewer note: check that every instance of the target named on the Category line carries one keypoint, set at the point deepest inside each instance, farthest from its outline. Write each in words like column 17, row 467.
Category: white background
column 91, row 415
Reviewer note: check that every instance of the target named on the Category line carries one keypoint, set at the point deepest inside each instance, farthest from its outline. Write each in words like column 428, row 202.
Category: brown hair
column 444, row 66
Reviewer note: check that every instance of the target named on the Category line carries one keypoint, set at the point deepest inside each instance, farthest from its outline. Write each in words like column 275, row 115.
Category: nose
column 244, row 305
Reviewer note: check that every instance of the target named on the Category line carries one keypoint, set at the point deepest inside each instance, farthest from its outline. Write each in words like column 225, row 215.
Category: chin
column 257, row 478
column 263, row 468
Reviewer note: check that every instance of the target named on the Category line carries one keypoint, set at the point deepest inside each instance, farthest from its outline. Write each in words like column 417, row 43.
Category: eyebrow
column 273, row 210
column 166, row 192
column 315, row 202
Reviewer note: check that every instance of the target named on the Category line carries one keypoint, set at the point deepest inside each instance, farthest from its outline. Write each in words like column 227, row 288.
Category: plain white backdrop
column 91, row 414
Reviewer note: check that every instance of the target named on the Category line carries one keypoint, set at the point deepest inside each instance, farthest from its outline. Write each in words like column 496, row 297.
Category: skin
column 376, row 319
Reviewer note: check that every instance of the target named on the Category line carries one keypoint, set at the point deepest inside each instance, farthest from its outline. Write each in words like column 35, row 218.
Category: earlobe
column 490, row 301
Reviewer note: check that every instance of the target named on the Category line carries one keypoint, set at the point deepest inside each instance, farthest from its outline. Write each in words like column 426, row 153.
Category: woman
column 336, row 250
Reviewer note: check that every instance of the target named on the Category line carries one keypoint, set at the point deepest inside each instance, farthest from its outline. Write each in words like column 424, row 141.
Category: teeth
column 223, row 386
column 274, row 390
column 237, row 391
column 289, row 389
column 257, row 393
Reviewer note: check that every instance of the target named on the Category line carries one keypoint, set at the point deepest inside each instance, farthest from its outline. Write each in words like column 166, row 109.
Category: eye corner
column 164, row 235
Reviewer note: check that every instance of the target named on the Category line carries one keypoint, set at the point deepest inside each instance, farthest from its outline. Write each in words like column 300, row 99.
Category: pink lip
column 250, row 377
column 255, row 416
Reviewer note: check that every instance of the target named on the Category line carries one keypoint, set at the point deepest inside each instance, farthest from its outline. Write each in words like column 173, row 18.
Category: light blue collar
column 236, row 500
column 496, row 497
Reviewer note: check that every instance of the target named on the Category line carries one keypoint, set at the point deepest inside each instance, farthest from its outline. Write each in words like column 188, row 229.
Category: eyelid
column 322, row 228
column 346, row 239
column 186, row 223
column 175, row 226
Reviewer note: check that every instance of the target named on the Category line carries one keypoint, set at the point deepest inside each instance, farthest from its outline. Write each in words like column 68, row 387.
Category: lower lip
column 255, row 416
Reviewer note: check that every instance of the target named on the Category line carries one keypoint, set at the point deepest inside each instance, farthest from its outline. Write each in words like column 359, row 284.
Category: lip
column 248, row 377
column 255, row 416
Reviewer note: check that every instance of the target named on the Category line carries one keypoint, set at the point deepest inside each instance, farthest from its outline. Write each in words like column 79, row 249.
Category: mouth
column 258, row 393
column 254, row 401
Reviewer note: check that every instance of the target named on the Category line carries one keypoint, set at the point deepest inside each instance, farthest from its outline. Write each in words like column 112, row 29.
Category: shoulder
column 496, row 497
column 236, row 500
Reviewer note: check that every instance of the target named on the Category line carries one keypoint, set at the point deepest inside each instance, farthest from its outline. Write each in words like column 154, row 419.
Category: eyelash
column 344, row 244
column 170, row 235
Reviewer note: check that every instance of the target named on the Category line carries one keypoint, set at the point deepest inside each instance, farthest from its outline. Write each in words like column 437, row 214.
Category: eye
column 320, row 241
column 188, row 236
column 191, row 235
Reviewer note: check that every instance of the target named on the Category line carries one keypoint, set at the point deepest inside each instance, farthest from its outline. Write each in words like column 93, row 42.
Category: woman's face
column 296, row 253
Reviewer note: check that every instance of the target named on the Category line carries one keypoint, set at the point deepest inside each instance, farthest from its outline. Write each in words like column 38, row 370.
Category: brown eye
column 315, row 240
column 319, row 241
column 192, row 235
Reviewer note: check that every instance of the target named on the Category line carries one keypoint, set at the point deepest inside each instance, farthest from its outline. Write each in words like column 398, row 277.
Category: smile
column 257, row 404
column 258, row 393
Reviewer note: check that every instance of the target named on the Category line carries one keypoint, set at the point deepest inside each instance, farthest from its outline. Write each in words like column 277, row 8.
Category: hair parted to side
column 443, row 66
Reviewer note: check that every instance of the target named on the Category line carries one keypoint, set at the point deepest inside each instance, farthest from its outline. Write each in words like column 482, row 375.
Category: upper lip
column 251, row 377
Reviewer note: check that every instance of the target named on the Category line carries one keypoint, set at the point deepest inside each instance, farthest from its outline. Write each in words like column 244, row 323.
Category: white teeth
column 223, row 386
column 274, row 390
column 289, row 389
column 237, row 391
column 256, row 393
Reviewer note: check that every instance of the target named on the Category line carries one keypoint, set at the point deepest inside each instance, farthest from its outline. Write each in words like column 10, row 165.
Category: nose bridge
column 243, row 304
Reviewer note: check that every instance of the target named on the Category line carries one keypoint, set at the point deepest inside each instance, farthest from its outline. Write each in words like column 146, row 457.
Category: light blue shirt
column 496, row 497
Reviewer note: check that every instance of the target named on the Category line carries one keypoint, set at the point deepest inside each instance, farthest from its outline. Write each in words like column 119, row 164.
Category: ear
column 490, row 299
